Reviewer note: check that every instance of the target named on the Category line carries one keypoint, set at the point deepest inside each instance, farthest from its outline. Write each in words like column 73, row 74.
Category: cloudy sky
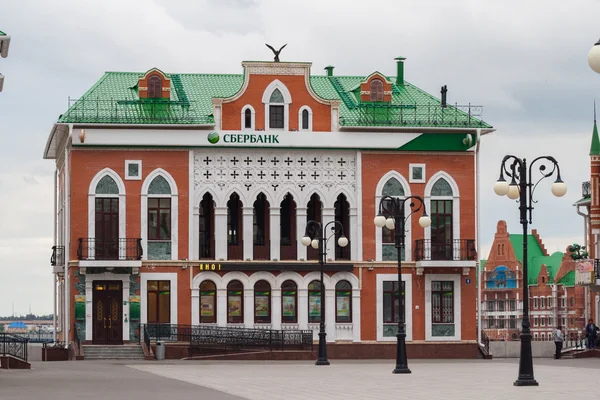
column 525, row 61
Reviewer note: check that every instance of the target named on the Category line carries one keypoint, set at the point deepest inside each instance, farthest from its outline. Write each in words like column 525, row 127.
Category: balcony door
column 107, row 300
column 107, row 228
column 441, row 229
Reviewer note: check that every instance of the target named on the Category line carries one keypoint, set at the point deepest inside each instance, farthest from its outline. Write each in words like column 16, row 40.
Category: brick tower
column 595, row 185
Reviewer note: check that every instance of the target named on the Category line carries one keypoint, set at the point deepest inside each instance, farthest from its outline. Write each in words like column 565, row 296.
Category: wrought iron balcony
column 119, row 249
column 58, row 256
column 449, row 250
column 586, row 189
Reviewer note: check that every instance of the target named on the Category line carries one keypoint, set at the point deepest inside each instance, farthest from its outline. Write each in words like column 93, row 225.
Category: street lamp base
column 401, row 370
column 322, row 362
column 526, row 382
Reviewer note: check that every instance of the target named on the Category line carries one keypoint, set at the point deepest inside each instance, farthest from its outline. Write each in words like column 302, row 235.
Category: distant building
column 554, row 298
column 17, row 327
column 4, row 42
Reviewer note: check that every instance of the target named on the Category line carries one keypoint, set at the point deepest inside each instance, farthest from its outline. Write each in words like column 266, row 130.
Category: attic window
column 154, row 87
column 376, row 90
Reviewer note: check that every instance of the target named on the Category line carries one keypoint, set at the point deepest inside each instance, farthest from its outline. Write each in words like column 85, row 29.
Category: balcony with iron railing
column 58, row 256
column 448, row 250
column 124, row 249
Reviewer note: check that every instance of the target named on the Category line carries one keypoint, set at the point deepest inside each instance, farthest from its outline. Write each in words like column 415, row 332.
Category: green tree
column 578, row 252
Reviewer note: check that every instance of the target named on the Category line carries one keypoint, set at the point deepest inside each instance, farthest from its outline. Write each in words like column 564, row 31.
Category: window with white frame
column 564, row 322
column 276, row 100
column 563, row 302
column 490, row 305
column 159, row 216
column 535, row 321
column 535, row 302
column 133, row 170
column 512, row 305
column 542, row 302
column 393, row 306
column 392, row 188
column 416, row 173
column 305, row 119
column 501, row 323
column 442, row 308
column 500, row 305
column 535, row 336
column 543, row 336
column 543, row 321
column 491, row 323
column 512, row 322
column 248, row 117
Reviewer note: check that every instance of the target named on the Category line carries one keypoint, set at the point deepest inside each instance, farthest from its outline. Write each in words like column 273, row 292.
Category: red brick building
column 554, row 298
column 182, row 199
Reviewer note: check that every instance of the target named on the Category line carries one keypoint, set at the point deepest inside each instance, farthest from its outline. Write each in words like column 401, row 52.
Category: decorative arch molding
column 262, row 276
column 455, row 202
column 310, row 118
column 252, row 119
column 174, row 211
column 377, row 75
column 92, row 206
column 233, row 276
column 287, row 100
column 207, row 276
column 290, row 276
column 378, row 231
column 345, row 276
column 316, row 276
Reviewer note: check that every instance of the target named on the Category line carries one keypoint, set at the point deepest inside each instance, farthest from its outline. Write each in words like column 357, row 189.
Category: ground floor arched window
column 262, row 302
column 208, row 302
column 314, row 301
column 235, row 302
column 289, row 302
column 343, row 302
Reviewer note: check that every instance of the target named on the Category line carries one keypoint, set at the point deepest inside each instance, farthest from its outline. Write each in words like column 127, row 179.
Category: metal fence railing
column 13, row 345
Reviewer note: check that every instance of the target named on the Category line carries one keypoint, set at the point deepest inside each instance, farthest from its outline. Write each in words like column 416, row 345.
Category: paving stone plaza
column 476, row 379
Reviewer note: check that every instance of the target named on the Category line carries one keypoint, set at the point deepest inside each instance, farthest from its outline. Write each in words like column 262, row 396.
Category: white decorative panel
column 275, row 173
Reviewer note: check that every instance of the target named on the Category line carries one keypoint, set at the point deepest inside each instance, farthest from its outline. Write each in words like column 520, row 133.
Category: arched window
column 289, row 302
column 342, row 215
column 106, row 241
column 261, row 231
column 442, row 247
column 154, row 87
column 159, row 219
column 305, row 119
column 234, row 228
column 262, row 302
column 206, row 227
column 276, row 110
column 376, row 90
column 392, row 188
column 287, row 244
column 314, row 301
column 248, row 119
column 208, row 302
column 314, row 211
column 343, row 302
column 235, row 302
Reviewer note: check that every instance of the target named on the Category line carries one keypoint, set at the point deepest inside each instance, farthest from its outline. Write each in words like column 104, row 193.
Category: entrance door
column 107, row 228
column 108, row 312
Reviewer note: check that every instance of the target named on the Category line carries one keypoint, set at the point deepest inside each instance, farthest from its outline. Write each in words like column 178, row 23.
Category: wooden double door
column 108, row 312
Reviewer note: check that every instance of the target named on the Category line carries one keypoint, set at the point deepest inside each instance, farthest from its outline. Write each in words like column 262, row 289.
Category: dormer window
column 376, row 90
column 154, row 87
column 276, row 110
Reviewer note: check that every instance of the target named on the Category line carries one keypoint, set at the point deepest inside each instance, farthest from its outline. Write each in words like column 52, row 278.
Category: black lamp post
column 315, row 235
column 521, row 188
column 391, row 215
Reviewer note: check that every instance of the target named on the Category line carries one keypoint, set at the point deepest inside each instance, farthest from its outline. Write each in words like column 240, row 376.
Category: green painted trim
column 209, row 146
column 437, row 142
column 595, row 148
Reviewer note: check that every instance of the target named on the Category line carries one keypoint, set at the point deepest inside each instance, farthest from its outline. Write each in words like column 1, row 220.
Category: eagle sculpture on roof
column 276, row 52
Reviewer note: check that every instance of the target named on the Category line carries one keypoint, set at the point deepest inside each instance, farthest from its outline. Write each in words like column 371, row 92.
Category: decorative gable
column 154, row 84
column 376, row 88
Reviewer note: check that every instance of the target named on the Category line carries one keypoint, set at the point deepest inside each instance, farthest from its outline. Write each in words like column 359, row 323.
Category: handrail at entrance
column 12, row 345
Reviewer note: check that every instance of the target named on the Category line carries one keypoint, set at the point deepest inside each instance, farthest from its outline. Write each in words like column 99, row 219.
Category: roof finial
column 594, row 110
column 276, row 52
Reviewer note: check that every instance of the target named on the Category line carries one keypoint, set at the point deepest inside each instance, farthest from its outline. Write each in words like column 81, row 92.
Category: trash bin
column 160, row 350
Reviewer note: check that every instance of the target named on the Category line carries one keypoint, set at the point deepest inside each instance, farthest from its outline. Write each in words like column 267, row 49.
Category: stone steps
column 124, row 352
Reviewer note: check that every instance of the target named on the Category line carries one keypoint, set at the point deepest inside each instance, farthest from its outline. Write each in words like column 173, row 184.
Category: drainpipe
column 477, row 271
column 55, row 242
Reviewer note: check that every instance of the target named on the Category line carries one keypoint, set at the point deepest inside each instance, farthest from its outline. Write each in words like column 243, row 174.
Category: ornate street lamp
column 594, row 57
column 522, row 188
column 315, row 235
column 391, row 215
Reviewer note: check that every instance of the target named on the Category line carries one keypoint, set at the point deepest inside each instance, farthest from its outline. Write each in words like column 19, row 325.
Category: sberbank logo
column 214, row 137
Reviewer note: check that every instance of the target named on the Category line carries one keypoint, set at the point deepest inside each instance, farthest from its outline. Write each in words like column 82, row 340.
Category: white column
column 221, row 233
column 222, row 307
column 275, row 232
column 300, row 228
column 195, row 317
column 276, row 308
column 356, row 315
column 328, row 216
column 126, row 316
column 330, row 314
column 303, row 308
column 352, row 236
column 89, row 310
column 248, row 230
column 249, row 308
column 195, row 233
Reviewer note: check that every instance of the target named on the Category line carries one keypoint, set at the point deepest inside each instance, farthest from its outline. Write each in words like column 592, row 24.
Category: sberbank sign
column 214, row 138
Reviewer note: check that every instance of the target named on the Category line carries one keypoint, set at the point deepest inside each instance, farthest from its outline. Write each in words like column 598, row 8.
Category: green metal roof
column 114, row 100
column 583, row 200
column 2, row 33
column 595, row 148
column 536, row 258
column 568, row 279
